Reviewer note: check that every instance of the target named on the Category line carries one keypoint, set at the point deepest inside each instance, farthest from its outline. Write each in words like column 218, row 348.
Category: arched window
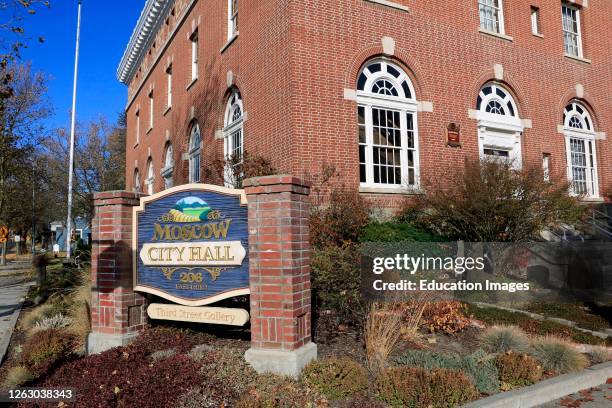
column 233, row 133
column 150, row 181
column 168, row 169
column 580, row 150
column 499, row 127
column 388, row 135
column 137, row 181
column 195, row 153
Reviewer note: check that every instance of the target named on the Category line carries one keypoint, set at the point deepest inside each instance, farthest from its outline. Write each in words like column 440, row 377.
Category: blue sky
column 105, row 30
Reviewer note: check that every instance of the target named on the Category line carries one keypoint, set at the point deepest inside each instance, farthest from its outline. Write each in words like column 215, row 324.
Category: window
column 571, row 30
column 546, row 166
column 387, row 123
column 169, row 79
column 150, row 181
column 535, row 21
column 194, row 56
column 151, row 110
column 580, row 150
column 136, row 181
column 491, row 15
column 232, row 22
column 138, row 126
column 195, row 154
column 499, row 127
column 233, row 139
column 168, row 168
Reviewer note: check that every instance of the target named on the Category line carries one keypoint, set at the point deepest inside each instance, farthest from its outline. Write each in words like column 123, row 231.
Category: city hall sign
column 190, row 245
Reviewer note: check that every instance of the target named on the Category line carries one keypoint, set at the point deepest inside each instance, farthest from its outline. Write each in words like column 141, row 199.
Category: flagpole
column 72, row 131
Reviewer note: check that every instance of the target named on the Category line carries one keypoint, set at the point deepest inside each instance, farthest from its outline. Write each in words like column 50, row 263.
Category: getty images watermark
column 493, row 272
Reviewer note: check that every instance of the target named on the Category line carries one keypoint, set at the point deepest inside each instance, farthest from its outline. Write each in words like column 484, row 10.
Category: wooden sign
column 209, row 315
column 191, row 244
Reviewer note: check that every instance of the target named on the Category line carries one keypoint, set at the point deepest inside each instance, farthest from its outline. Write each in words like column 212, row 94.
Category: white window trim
column 492, row 126
column 587, row 136
column 137, row 181
column 502, row 26
column 169, row 86
column 137, row 127
column 150, row 181
column 405, row 106
column 195, row 55
column 228, row 131
column 578, row 28
column 192, row 153
column 232, row 27
column 535, row 21
column 151, row 110
column 168, row 169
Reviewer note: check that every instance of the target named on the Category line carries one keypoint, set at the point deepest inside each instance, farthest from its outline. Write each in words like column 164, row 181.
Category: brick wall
column 279, row 253
column 293, row 60
column 115, row 308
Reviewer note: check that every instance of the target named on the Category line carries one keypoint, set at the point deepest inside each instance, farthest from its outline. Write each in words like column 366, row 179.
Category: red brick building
column 391, row 92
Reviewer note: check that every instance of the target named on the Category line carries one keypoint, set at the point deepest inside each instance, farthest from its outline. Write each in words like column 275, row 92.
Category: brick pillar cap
column 103, row 198
column 275, row 180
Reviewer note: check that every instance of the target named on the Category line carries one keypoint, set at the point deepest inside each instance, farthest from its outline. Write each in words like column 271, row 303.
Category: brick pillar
column 279, row 253
column 117, row 312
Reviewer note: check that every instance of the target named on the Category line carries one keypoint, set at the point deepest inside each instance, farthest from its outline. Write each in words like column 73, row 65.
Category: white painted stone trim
column 350, row 94
column 425, row 106
column 388, row 45
column 389, row 3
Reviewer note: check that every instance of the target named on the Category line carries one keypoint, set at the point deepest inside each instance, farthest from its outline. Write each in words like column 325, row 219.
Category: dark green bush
column 518, row 369
column 413, row 387
column 396, row 232
column 336, row 279
column 479, row 366
column 336, row 378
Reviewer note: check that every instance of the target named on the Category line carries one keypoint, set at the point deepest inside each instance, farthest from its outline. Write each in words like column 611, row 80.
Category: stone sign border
column 141, row 208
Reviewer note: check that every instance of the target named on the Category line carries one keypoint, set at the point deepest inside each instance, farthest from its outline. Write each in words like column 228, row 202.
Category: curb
column 6, row 341
column 548, row 390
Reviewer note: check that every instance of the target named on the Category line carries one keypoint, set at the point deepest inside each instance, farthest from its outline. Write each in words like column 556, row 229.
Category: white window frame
column 585, row 135
column 137, row 188
column 232, row 19
column 535, row 20
column 500, row 15
column 232, row 127
column 566, row 32
column 546, row 166
column 195, row 55
column 168, row 169
column 150, row 181
column 195, row 154
column 151, row 110
column 169, row 86
column 405, row 106
column 137, row 126
column 499, row 132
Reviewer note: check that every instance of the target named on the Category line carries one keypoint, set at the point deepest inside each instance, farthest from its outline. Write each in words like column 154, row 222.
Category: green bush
column 557, row 355
column 396, row 232
column 500, row 339
column 413, row 387
column 46, row 348
column 518, row 369
column 479, row 366
column 336, row 279
column 336, row 378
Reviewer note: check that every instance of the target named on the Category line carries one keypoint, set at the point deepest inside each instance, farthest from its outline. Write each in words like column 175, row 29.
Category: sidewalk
column 596, row 397
column 13, row 288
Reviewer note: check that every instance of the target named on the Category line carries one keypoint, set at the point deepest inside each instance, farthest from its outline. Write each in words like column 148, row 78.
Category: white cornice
column 149, row 22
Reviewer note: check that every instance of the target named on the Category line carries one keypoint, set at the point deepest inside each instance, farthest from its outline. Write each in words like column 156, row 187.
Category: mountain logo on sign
column 190, row 209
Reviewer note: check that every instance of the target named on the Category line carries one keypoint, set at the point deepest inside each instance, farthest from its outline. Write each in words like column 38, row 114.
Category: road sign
column 3, row 234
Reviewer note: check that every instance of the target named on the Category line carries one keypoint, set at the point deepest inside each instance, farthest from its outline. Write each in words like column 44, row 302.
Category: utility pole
column 72, row 131
column 33, row 212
